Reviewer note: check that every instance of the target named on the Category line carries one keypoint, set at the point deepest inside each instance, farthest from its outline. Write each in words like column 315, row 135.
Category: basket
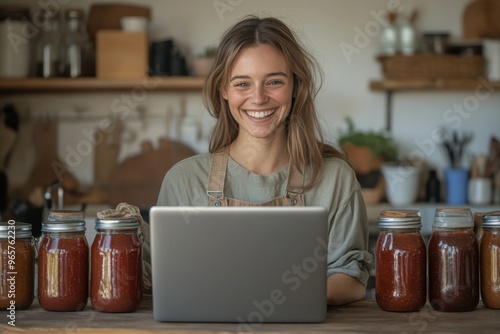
column 427, row 66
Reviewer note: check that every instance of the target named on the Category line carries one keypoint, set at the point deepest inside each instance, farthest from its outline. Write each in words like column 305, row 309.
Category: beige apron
column 294, row 188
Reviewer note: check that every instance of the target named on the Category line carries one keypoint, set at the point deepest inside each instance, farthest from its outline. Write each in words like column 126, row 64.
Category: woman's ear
column 224, row 94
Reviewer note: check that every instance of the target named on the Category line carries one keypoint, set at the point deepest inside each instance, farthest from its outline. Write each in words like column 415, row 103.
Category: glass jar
column 400, row 262
column 490, row 262
column 116, row 266
column 63, row 262
column 48, row 46
column 453, row 261
column 17, row 263
column 14, row 42
column 75, row 45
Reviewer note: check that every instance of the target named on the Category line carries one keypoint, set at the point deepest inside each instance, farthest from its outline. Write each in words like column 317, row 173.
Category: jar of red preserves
column 400, row 262
column 63, row 262
column 17, row 265
column 490, row 262
column 453, row 261
column 116, row 266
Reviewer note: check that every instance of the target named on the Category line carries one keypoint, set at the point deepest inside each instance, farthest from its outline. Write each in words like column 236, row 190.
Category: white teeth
column 260, row 114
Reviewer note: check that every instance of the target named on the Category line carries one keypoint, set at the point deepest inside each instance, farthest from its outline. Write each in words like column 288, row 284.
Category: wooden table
column 360, row 317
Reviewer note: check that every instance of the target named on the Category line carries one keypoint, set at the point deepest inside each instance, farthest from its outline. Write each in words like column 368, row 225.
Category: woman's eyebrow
column 272, row 74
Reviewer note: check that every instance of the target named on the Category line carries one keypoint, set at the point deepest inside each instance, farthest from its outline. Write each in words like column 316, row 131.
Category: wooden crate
column 121, row 54
column 431, row 66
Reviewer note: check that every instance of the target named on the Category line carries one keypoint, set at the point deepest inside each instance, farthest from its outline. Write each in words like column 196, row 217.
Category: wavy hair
column 305, row 140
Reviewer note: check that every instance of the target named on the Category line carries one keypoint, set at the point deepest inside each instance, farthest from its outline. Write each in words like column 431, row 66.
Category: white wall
column 323, row 25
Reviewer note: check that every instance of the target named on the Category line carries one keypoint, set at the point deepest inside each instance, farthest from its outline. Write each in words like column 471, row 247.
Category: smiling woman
column 267, row 148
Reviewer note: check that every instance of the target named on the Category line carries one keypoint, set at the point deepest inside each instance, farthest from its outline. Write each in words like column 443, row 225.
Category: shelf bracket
column 388, row 110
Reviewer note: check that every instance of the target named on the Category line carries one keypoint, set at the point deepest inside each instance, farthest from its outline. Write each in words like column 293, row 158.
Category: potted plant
column 367, row 151
column 203, row 62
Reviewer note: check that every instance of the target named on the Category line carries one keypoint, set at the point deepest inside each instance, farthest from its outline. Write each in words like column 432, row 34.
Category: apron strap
column 295, row 182
column 217, row 174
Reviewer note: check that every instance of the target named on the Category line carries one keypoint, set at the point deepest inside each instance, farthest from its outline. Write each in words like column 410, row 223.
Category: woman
column 267, row 149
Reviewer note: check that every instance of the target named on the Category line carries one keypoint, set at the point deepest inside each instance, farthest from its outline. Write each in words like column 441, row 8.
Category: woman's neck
column 261, row 157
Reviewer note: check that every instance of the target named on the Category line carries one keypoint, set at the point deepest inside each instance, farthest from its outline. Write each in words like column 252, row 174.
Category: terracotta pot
column 201, row 66
column 362, row 159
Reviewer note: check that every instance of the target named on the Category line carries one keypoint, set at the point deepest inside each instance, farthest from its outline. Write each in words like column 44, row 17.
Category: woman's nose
column 259, row 94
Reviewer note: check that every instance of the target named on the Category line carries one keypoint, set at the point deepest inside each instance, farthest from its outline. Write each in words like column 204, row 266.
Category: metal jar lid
column 453, row 218
column 64, row 226
column 66, row 216
column 22, row 230
column 116, row 223
column 400, row 219
column 491, row 221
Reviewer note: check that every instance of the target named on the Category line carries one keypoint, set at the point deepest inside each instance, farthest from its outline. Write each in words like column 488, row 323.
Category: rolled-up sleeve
column 348, row 239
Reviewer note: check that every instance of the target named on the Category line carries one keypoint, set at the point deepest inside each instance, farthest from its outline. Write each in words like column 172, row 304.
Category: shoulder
column 339, row 167
column 194, row 164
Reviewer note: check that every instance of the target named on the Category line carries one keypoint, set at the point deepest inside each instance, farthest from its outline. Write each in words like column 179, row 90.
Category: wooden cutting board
column 137, row 180
column 48, row 167
column 481, row 19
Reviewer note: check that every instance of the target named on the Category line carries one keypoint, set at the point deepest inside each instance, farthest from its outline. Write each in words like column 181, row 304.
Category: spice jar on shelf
column 17, row 265
column 400, row 260
column 490, row 262
column 116, row 266
column 63, row 262
column 453, row 261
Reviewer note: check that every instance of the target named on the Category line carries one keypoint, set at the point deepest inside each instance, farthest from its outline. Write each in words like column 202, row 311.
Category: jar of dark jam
column 490, row 262
column 453, row 261
column 400, row 262
column 63, row 262
column 116, row 266
column 17, row 265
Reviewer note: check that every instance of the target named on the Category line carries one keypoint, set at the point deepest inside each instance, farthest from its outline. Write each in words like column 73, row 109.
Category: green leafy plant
column 209, row 52
column 378, row 143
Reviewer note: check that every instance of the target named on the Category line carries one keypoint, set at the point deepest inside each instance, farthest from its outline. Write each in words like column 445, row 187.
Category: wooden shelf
column 63, row 85
column 389, row 86
column 431, row 84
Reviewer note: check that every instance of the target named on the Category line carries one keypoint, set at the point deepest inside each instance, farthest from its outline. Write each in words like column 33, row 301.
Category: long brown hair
column 304, row 135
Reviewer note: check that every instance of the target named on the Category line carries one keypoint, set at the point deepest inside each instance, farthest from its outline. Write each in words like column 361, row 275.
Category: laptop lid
column 239, row 264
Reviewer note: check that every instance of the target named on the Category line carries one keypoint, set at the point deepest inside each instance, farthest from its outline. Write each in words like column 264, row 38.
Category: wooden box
column 432, row 66
column 121, row 54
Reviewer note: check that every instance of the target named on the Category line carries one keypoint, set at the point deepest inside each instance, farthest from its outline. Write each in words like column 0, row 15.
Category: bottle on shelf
column 76, row 51
column 433, row 188
column 47, row 50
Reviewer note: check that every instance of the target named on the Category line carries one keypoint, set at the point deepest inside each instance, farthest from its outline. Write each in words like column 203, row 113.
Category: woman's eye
column 241, row 84
column 275, row 82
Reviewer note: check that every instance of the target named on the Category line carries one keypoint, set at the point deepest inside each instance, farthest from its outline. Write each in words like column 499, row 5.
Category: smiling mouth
column 260, row 114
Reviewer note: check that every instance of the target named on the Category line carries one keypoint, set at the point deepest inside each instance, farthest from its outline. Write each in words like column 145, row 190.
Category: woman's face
column 259, row 91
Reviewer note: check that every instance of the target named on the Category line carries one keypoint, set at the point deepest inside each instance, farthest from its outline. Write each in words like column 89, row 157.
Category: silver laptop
column 239, row 264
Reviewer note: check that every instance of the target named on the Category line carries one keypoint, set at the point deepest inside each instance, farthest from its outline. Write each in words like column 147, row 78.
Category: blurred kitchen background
column 69, row 139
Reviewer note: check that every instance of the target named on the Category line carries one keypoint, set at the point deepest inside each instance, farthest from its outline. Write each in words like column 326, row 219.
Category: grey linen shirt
column 338, row 191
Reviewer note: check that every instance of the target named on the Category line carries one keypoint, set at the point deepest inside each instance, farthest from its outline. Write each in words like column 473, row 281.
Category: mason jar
column 15, row 43
column 63, row 262
column 400, row 262
column 453, row 261
column 490, row 262
column 17, row 260
column 116, row 266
